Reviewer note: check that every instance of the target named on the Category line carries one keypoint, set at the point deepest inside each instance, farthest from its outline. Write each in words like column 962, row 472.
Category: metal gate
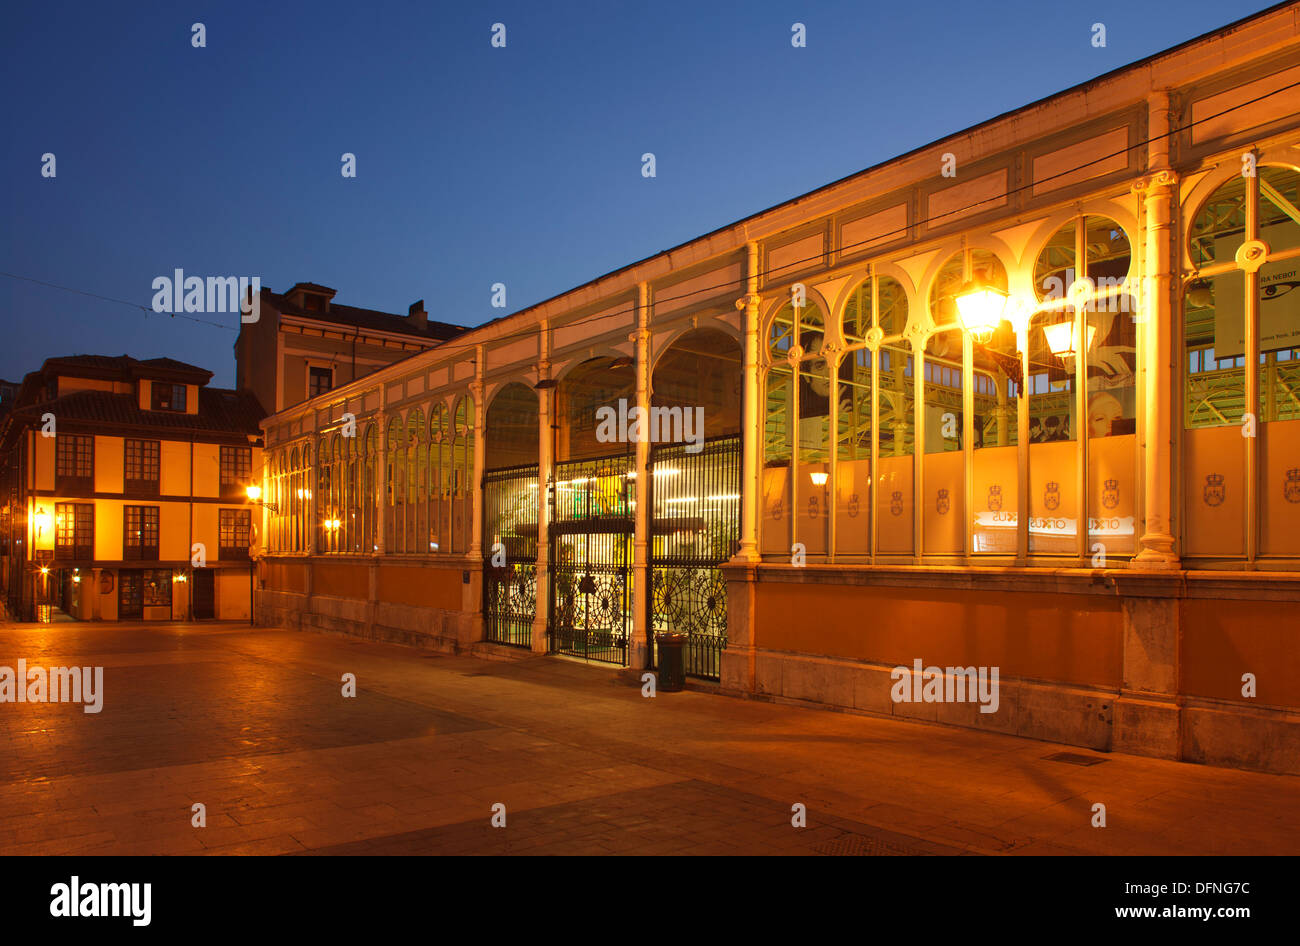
column 510, row 506
column 592, row 505
column 695, row 501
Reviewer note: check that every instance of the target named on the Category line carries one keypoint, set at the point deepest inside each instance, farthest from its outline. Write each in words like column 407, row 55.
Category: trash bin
column 672, row 669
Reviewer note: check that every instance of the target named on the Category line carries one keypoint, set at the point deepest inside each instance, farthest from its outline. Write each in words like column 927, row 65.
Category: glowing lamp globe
column 981, row 309
column 1062, row 341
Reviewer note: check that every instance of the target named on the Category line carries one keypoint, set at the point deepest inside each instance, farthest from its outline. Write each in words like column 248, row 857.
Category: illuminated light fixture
column 179, row 578
column 981, row 308
column 45, row 569
column 1061, row 338
column 254, row 492
column 76, row 579
column 819, row 477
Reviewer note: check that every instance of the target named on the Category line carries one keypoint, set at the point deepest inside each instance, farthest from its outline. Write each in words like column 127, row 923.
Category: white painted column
column 639, row 654
column 381, row 476
column 751, row 437
column 545, row 476
column 1158, row 192
column 476, row 388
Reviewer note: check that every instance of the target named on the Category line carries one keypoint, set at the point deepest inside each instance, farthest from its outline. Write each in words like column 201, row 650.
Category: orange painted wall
column 341, row 581
column 286, row 577
column 425, row 587
column 1061, row 638
column 1221, row 640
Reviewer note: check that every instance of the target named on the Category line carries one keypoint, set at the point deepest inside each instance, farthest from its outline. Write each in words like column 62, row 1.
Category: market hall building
column 995, row 417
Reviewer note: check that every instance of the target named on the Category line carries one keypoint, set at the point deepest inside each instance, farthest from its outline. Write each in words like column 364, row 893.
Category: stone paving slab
column 252, row 724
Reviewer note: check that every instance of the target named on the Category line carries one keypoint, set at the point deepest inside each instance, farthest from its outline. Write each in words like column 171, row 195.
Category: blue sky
column 475, row 165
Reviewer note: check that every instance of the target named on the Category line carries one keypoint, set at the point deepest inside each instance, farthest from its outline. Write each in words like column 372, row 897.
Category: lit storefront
column 1000, row 418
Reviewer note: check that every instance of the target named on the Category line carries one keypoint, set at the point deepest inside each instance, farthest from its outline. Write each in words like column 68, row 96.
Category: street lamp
column 254, row 494
column 981, row 308
column 1061, row 339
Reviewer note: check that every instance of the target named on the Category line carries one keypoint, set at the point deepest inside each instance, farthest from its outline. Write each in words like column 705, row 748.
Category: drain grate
column 860, row 845
column 1074, row 758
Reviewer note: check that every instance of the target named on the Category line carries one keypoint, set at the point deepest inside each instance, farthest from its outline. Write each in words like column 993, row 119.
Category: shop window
column 156, row 587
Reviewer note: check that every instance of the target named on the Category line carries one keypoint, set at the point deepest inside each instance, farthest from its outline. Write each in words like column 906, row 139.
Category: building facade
column 125, row 493
column 304, row 344
column 984, row 405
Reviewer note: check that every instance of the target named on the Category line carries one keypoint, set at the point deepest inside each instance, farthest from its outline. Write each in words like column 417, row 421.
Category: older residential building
column 1024, row 398
column 124, row 492
column 304, row 344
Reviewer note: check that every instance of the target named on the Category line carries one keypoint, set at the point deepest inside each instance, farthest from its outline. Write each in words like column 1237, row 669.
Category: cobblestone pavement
column 252, row 724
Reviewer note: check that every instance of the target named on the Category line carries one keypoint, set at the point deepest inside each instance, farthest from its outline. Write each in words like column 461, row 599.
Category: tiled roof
column 370, row 318
column 122, row 365
column 220, row 411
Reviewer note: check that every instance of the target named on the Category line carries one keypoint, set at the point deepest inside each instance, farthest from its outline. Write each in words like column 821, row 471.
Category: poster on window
column 1279, row 302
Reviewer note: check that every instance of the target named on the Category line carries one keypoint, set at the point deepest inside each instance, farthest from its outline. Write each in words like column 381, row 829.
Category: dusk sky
column 475, row 165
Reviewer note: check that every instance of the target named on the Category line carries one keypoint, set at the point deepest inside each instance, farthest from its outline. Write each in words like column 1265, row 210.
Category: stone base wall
column 1161, row 673
column 441, row 611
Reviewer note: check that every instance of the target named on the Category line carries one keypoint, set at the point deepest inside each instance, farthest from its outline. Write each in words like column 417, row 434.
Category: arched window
column 369, row 489
column 395, row 488
column 439, row 480
column 463, row 471
column 417, row 470
column 1240, row 309
column 878, row 302
column 796, row 436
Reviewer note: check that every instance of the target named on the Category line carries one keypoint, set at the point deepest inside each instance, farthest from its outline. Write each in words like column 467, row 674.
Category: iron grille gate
column 510, row 505
column 591, row 557
column 695, row 499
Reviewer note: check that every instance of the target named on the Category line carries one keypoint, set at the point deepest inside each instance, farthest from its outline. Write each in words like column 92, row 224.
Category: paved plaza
column 252, row 724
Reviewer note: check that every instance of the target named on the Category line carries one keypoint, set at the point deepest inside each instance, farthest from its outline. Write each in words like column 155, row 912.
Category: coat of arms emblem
column 896, row 502
column 1291, row 487
column 853, row 506
column 1052, row 495
column 1215, row 492
column 941, row 503
column 995, row 498
column 1110, row 494
column 812, row 507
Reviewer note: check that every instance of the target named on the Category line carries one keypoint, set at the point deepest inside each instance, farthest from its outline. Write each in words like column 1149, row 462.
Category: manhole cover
column 1074, row 758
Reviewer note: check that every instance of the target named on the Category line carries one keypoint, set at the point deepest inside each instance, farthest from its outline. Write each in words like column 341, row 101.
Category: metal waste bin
column 672, row 668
